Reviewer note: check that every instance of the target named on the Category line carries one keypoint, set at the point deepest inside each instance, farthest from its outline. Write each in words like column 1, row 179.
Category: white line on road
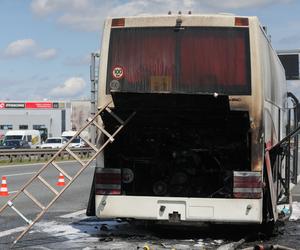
column 19, row 229
column 11, row 231
column 9, row 175
column 12, row 192
column 71, row 215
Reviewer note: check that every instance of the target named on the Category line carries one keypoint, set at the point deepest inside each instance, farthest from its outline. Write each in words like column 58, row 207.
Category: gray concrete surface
column 74, row 199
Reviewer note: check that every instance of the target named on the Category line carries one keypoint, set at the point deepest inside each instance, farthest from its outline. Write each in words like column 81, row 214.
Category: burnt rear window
column 189, row 60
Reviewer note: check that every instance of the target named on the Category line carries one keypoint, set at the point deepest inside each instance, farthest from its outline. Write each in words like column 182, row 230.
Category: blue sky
column 45, row 45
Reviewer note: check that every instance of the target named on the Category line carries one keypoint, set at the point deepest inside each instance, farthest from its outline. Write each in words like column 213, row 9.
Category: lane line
column 71, row 215
column 11, row 231
column 12, row 192
column 8, row 175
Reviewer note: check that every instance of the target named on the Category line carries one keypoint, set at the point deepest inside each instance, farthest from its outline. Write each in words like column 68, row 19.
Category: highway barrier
column 28, row 155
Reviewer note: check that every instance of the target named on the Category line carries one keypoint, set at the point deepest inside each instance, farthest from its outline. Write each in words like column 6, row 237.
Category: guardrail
column 11, row 155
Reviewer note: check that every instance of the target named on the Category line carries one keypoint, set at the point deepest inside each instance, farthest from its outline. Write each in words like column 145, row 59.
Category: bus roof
column 186, row 20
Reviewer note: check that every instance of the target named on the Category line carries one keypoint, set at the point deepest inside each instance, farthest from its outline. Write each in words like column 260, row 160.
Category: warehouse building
column 50, row 118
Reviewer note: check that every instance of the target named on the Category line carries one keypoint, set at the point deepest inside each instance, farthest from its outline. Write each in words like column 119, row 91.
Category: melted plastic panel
column 187, row 147
column 186, row 60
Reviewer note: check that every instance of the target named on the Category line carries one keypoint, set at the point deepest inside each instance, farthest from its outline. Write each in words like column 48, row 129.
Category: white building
column 51, row 118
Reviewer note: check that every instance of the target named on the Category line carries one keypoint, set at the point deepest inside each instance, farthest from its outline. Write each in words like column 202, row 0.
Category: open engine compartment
column 178, row 145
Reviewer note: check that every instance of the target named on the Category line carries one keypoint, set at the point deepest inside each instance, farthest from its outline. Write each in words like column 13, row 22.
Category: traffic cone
column 3, row 189
column 61, row 180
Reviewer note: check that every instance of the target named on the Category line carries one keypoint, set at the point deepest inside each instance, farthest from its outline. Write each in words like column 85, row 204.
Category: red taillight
column 108, row 181
column 241, row 21
column 247, row 185
column 118, row 22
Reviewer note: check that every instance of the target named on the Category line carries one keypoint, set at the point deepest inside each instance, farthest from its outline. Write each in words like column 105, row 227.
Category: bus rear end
column 189, row 153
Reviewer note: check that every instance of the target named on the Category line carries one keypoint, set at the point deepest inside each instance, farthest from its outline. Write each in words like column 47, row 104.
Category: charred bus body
column 209, row 94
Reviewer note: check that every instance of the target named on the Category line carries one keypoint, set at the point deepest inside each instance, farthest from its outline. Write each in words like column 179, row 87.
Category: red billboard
column 38, row 105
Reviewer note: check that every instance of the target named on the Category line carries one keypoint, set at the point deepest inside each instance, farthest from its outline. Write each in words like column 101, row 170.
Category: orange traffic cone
column 3, row 189
column 61, row 180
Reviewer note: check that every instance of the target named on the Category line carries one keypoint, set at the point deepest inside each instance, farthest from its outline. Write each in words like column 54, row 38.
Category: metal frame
column 284, row 153
column 94, row 78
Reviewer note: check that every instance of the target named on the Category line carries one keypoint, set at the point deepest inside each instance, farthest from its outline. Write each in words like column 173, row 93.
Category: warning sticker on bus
column 118, row 72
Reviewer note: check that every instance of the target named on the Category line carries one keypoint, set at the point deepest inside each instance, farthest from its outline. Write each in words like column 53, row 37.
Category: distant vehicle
column 54, row 142
column 33, row 137
column 77, row 142
column 14, row 144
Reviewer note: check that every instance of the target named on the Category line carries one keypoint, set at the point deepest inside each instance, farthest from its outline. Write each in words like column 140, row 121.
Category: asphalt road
column 73, row 200
column 65, row 225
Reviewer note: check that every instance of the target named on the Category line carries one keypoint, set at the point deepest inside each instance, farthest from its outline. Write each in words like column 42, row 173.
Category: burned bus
column 210, row 102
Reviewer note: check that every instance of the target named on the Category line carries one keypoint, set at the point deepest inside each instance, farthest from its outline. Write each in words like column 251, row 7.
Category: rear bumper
column 190, row 209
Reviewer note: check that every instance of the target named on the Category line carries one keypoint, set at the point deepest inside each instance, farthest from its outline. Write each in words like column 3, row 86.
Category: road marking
column 12, row 192
column 8, row 175
column 11, row 231
column 71, row 215
column 19, row 229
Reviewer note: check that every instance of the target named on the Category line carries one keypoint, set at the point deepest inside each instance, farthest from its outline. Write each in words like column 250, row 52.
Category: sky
column 45, row 45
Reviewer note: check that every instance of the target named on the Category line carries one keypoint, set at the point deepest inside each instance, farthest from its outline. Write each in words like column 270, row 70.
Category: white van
column 77, row 142
column 33, row 137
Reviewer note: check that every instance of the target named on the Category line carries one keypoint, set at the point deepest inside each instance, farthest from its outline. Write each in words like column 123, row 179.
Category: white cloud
column 71, row 87
column 88, row 15
column 20, row 48
column 28, row 47
column 45, row 7
column 81, row 22
column 241, row 4
column 46, row 54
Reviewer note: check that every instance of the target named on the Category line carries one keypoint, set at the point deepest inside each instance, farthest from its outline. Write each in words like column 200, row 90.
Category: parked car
column 33, row 137
column 76, row 142
column 54, row 142
column 14, row 144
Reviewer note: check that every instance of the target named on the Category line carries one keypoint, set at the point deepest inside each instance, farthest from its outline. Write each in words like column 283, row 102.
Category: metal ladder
column 91, row 122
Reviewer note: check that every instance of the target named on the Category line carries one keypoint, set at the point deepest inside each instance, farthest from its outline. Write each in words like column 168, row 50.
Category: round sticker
column 114, row 85
column 118, row 72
